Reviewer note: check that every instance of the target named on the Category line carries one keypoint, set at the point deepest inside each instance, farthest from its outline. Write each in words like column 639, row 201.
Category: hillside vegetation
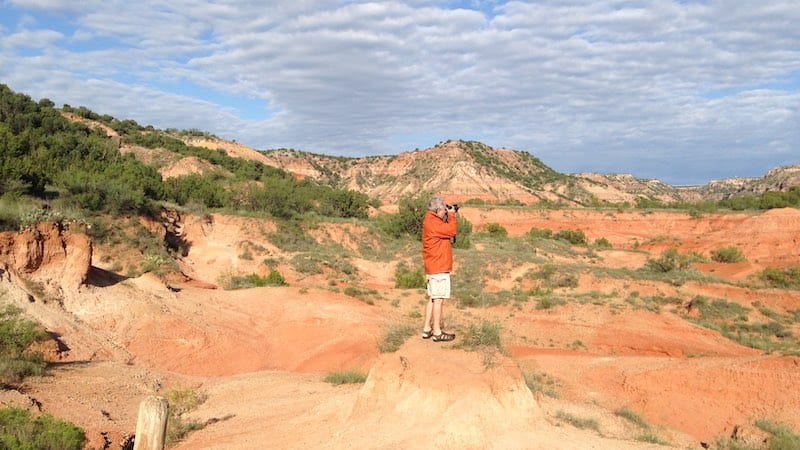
column 75, row 167
column 78, row 160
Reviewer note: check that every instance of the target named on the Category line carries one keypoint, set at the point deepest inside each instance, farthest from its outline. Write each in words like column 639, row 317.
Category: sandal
column 443, row 337
column 427, row 334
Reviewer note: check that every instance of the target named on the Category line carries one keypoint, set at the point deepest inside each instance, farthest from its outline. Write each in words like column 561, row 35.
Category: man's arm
column 441, row 229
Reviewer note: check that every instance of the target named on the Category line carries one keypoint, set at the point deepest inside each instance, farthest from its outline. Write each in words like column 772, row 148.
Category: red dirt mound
column 425, row 395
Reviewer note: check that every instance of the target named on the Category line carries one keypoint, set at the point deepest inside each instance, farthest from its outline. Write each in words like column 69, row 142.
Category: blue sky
column 681, row 91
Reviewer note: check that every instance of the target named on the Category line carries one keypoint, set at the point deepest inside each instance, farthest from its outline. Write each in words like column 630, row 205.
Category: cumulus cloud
column 680, row 91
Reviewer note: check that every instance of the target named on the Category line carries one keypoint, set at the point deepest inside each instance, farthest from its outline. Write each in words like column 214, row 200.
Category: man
column 438, row 229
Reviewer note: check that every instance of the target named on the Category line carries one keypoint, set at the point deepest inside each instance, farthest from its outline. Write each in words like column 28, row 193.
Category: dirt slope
column 422, row 396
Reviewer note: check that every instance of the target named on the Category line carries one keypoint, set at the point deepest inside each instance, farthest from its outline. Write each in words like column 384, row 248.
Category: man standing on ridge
column 438, row 231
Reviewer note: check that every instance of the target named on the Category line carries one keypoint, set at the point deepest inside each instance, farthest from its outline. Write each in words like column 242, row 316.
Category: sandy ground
column 260, row 355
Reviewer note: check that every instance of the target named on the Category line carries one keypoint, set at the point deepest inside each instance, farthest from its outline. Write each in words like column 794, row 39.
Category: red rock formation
column 47, row 255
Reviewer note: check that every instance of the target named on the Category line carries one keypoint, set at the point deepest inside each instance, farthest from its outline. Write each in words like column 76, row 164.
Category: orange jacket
column 437, row 252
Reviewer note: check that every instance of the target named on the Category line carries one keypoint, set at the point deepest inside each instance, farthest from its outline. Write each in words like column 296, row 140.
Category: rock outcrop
column 458, row 399
column 46, row 259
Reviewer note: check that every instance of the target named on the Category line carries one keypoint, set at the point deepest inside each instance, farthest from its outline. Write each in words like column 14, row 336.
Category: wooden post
column 151, row 426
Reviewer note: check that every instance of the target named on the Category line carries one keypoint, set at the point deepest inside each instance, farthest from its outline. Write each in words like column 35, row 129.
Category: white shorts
column 438, row 285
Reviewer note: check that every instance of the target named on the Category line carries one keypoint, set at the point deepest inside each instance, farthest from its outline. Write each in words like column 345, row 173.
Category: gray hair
column 436, row 204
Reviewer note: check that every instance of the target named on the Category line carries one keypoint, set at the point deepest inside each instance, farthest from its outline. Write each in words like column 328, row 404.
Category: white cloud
column 655, row 88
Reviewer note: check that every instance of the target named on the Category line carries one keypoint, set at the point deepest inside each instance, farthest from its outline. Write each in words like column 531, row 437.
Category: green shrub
column 16, row 335
column 727, row 255
column 408, row 220
column 780, row 437
column 362, row 294
column 342, row 203
column 651, row 439
column 541, row 382
column 496, row 230
column 782, row 278
column 630, row 415
column 19, row 430
column 545, row 272
column 481, row 335
column 553, row 278
column 602, row 243
column 343, row 265
column 181, row 402
column 406, row 278
column 274, row 278
column 564, row 280
column 463, row 233
column 578, row 422
column 198, row 189
column 548, row 302
column 731, row 320
column 291, row 237
column 767, row 200
column 308, row 264
column 539, row 233
column 396, row 335
column 669, row 260
column 345, row 377
column 475, row 202
column 574, row 237
column 156, row 263
column 718, row 309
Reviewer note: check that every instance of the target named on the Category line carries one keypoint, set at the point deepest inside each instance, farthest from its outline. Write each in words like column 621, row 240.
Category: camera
column 453, row 207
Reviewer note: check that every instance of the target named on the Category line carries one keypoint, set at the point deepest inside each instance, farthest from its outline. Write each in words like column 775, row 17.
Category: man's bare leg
column 428, row 316
column 437, row 316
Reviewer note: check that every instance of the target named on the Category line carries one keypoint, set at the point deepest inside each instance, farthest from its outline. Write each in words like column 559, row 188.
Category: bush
column 780, row 437
column 16, row 335
column 767, row 200
column 396, row 335
column 475, row 202
column 602, row 243
column 669, row 260
column 651, row 439
column 718, row 309
column 203, row 189
column 365, row 295
column 406, row 278
column 541, row 382
column 274, row 278
column 463, row 233
column 408, row 220
column 291, row 237
column 782, row 278
column 19, row 430
column 548, row 302
column 181, row 402
column 727, row 255
column 574, row 237
column 496, row 230
column 342, row 203
column 539, row 233
column 578, row 422
column 346, row 377
column 484, row 334
column 632, row 416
